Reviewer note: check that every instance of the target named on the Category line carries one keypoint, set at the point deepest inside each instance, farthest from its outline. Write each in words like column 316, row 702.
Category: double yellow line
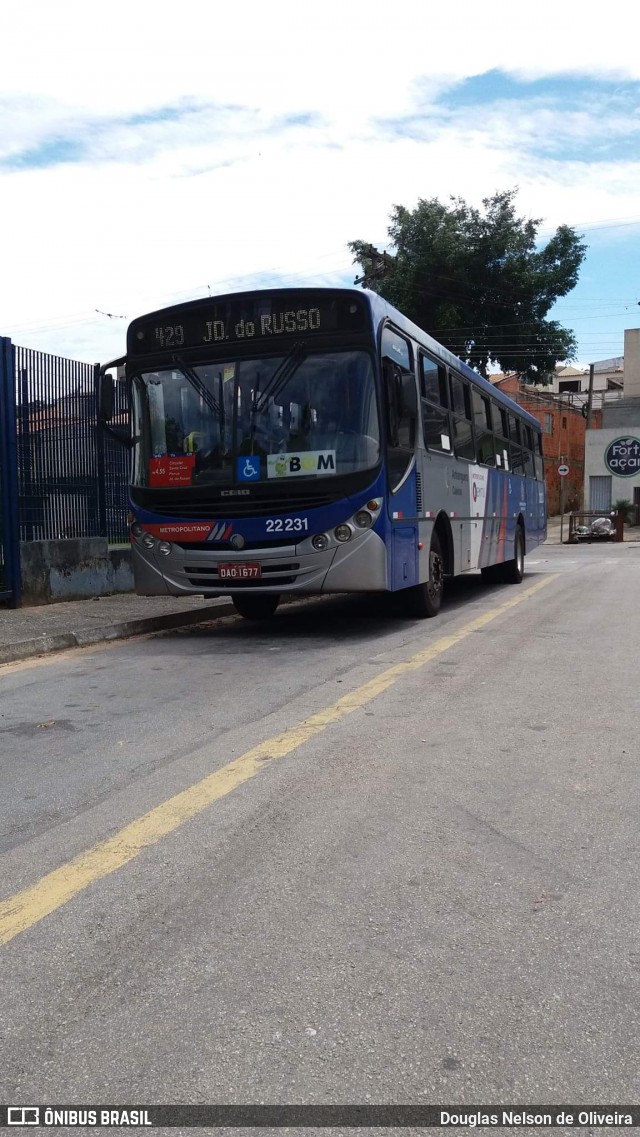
column 28, row 907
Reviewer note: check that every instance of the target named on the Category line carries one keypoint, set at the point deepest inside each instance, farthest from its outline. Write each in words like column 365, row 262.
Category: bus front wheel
column 424, row 600
column 256, row 607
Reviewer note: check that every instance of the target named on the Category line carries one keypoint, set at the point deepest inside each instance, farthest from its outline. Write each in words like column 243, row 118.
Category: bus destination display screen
column 256, row 318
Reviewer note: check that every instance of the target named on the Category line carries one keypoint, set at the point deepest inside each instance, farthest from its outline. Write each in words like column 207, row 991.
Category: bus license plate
column 245, row 571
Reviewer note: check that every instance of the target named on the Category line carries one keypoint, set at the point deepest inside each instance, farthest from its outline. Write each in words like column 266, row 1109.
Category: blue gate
column 10, row 590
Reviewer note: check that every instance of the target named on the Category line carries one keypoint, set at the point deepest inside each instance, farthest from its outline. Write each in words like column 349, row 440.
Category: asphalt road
column 430, row 894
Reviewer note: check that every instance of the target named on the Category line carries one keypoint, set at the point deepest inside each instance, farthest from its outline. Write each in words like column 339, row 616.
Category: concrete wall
column 597, row 444
column 608, row 375
column 73, row 570
column 621, row 413
column 632, row 363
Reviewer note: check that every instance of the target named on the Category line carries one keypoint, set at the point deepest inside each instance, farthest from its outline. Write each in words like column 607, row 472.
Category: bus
column 314, row 440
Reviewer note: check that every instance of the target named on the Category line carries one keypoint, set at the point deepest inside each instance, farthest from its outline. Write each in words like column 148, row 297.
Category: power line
column 386, row 261
column 606, row 223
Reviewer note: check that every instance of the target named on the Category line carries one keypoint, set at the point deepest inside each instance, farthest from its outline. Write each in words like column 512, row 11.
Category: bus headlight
column 363, row 519
column 148, row 541
column 137, row 531
column 342, row 533
column 164, row 548
column 320, row 541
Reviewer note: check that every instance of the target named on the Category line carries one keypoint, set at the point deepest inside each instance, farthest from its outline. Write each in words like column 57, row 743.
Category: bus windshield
column 301, row 413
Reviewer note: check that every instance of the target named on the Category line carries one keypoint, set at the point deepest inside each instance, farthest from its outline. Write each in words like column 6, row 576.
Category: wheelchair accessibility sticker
column 248, row 469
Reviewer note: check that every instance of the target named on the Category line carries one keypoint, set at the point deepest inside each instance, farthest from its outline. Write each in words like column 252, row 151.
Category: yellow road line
column 28, row 907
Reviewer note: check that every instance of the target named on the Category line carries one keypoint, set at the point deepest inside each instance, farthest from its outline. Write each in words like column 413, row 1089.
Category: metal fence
column 9, row 529
column 72, row 477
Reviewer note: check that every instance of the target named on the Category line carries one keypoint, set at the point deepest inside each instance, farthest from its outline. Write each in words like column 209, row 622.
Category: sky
column 153, row 152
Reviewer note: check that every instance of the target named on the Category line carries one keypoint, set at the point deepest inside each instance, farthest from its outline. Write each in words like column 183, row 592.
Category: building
column 563, row 437
column 608, row 381
column 612, row 453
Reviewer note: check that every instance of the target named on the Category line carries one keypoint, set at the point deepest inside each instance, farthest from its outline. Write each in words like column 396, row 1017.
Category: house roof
column 500, row 377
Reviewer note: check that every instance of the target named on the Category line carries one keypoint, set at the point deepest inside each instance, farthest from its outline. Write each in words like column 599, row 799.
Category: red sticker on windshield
column 172, row 470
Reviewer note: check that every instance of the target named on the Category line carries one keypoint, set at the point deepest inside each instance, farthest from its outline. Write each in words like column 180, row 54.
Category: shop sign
column 622, row 457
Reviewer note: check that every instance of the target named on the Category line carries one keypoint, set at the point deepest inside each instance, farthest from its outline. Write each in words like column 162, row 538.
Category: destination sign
column 257, row 317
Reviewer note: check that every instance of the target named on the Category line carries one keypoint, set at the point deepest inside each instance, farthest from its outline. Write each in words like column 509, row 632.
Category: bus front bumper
column 358, row 565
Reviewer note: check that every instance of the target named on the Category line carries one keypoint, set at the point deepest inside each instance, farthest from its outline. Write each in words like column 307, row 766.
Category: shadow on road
column 354, row 617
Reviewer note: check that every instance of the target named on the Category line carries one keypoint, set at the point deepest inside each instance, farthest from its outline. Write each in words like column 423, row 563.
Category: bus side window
column 500, row 420
column 463, row 443
column 529, row 464
column 460, row 397
column 409, row 408
column 517, row 462
column 483, row 429
column 402, row 408
column 435, row 404
column 486, row 450
column 502, row 452
column 538, row 457
column 433, row 382
column 501, row 436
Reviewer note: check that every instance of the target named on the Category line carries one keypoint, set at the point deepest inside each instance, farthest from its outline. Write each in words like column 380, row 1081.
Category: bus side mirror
column 105, row 398
column 106, row 393
column 105, row 389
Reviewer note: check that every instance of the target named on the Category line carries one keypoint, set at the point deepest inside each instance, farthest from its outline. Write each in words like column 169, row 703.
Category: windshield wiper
column 281, row 376
column 192, row 377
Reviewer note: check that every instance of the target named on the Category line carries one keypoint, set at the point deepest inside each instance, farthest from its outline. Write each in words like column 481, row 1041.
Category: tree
column 625, row 506
column 478, row 281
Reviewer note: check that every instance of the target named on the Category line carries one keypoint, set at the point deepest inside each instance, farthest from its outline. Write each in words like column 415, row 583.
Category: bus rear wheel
column 509, row 572
column 424, row 600
column 256, row 607
column 513, row 571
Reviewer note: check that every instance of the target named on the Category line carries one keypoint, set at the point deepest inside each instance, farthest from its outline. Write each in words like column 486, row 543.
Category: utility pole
column 381, row 263
column 562, row 458
column 590, row 396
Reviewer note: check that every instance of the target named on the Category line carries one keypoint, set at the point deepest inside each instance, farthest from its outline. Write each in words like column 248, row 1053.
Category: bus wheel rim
column 434, row 584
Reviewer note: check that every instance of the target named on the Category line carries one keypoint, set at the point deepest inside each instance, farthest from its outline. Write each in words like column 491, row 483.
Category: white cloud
column 360, row 57
column 274, row 156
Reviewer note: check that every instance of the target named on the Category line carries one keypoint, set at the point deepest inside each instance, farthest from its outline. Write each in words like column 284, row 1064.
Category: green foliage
column 626, row 508
column 478, row 281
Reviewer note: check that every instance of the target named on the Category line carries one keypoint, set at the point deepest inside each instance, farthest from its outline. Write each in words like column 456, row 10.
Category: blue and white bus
column 307, row 441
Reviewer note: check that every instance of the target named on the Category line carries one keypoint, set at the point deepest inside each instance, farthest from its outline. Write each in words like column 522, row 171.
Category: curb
column 86, row 637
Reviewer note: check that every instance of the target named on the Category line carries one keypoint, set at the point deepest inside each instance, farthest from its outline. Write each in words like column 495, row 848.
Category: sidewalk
column 29, row 632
